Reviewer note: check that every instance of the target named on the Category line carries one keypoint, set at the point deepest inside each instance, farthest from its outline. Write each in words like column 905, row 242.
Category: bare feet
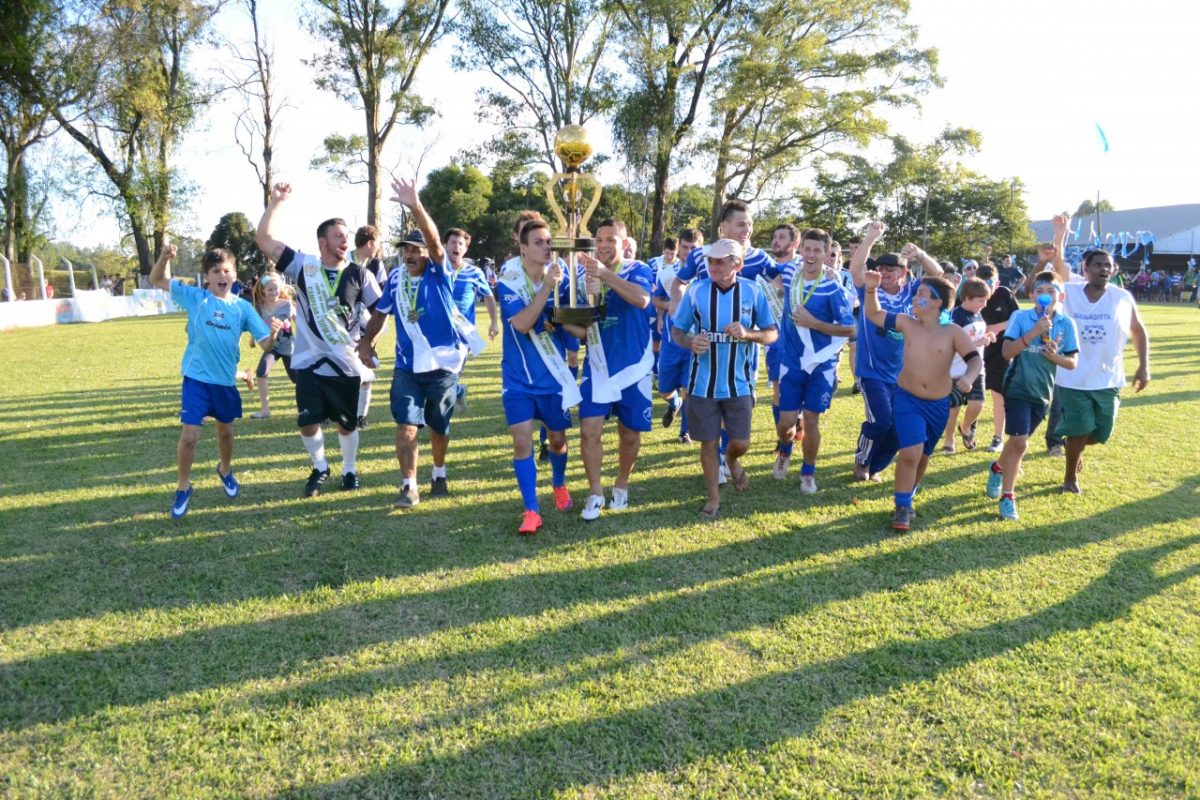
column 710, row 510
column 1071, row 487
column 741, row 481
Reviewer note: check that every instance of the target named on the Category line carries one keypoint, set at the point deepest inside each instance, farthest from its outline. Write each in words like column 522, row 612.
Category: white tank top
column 1103, row 329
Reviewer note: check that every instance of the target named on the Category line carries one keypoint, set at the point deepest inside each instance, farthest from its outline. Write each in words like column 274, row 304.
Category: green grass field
column 274, row 647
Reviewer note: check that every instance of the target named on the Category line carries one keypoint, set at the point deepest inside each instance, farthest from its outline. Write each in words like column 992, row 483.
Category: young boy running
column 922, row 398
column 973, row 294
column 1037, row 342
column 216, row 320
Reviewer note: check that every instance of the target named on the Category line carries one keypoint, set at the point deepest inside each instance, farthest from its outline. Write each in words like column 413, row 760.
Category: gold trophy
column 571, row 145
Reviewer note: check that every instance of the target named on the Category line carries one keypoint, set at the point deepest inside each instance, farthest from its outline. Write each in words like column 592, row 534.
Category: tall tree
column 1088, row 208
column 114, row 78
column 256, row 124
column 670, row 46
column 548, row 56
column 235, row 233
column 374, row 52
column 803, row 77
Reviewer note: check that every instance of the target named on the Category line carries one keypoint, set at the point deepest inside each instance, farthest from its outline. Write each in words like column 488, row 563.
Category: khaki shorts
column 707, row 416
column 1088, row 412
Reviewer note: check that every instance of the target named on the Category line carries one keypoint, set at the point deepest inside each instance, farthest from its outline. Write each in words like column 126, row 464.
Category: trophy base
column 582, row 316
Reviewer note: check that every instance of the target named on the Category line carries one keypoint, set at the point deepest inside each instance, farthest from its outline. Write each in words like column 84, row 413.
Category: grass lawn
column 273, row 647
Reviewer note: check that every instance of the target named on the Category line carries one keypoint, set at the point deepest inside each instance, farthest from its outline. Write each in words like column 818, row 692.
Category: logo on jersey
column 218, row 314
column 1093, row 334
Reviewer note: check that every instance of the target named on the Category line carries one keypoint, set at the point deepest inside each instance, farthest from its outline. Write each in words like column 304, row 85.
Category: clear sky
column 1034, row 78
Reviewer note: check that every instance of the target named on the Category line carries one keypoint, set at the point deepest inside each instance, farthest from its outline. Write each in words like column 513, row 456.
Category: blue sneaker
column 1008, row 508
column 232, row 489
column 180, row 507
column 995, row 482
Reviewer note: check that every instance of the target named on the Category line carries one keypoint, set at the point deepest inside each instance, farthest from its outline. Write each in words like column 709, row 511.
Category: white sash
column 774, row 296
column 517, row 283
column 607, row 388
column 426, row 357
column 811, row 359
column 323, row 304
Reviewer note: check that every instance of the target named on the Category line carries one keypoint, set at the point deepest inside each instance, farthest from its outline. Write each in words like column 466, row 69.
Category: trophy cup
column 571, row 145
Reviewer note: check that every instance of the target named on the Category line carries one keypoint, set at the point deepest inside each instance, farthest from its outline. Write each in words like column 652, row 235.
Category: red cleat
column 530, row 523
column 562, row 498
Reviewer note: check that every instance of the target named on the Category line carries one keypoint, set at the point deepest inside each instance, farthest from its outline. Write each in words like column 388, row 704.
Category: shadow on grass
column 749, row 715
column 66, row 685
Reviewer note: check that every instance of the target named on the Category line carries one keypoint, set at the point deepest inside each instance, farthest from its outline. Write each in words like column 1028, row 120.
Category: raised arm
column 858, row 263
column 929, row 265
column 405, row 192
column 160, row 273
column 264, row 236
column 524, row 320
column 1060, row 247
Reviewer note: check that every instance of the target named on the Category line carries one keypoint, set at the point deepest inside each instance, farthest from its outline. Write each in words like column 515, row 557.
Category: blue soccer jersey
column 826, row 300
column 623, row 331
column 431, row 300
column 470, row 284
column 727, row 368
column 880, row 352
column 521, row 366
column 214, row 330
column 755, row 262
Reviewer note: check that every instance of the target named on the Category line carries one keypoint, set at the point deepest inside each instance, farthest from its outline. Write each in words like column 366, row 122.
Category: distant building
column 1176, row 231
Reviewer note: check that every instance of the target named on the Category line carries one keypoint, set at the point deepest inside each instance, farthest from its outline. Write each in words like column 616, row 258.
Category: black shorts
column 957, row 398
column 993, row 374
column 322, row 397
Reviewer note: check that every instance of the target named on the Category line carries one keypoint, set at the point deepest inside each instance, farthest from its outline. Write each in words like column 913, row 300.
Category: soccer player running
column 817, row 319
column 922, row 396
column 785, row 240
column 432, row 344
column 536, row 382
column 470, row 284
column 880, row 350
column 617, row 373
column 328, row 287
column 1106, row 318
column 721, row 319
column 673, row 360
column 216, row 320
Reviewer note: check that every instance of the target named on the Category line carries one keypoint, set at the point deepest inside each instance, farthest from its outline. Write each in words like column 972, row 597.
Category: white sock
column 315, row 445
column 349, row 443
column 364, row 398
column 439, row 472
column 407, row 483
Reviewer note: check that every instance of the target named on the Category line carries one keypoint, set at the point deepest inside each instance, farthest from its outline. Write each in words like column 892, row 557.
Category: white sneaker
column 592, row 508
column 782, row 464
column 620, row 499
column 261, row 415
column 723, row 475
column 808, row 484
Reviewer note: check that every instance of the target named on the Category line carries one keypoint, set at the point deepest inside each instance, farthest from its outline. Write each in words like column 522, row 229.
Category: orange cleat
column 530, row 522
column 562, row 498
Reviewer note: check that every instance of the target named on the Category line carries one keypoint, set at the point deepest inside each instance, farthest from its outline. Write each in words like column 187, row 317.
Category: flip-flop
column 710, row 515
column 741, row 481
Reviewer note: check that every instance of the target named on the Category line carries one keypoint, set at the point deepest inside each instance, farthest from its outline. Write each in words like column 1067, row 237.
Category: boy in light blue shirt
column 216, row 320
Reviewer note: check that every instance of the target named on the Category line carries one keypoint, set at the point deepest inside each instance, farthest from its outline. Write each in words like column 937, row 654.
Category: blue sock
column 808, row 469
column 683, row 426
column 526, row 472
column 775, row 413
column 459, row 391
column 558, row 468
column 904, row 499
column 723, row 445
column 575, row 371
column 786, row 449
column 542, row 435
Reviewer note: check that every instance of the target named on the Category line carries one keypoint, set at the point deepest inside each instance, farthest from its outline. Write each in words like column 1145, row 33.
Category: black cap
column 889, row 260
column 413, row 237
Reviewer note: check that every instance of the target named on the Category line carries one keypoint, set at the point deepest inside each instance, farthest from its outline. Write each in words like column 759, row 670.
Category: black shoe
column 857, row 388
column 316, row 479
column 362, row 424
column 438, row 488
column 349, row 481
column 685, row 438
column 669, row 417
column 544, row 452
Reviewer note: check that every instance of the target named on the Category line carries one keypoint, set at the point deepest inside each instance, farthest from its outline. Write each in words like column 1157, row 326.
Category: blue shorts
column 424, row 398
column 919, row 421
column 774, row 356
column 200, row 400
column 635, row 409
column 812, row 391
column 673, row 365
column 522, row 406
column 1021, row 417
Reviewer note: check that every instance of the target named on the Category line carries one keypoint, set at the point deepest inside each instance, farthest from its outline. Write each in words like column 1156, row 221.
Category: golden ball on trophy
column 571, row 145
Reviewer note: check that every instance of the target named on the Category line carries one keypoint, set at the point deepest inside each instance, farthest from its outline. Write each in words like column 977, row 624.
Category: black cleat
column 439, row 488
column 349, row 481
column 316, row 479
column 361, row 425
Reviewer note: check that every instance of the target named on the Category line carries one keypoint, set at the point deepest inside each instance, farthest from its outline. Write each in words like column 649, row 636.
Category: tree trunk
column 12, row 189
column 374, row 172
column 720, row 178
